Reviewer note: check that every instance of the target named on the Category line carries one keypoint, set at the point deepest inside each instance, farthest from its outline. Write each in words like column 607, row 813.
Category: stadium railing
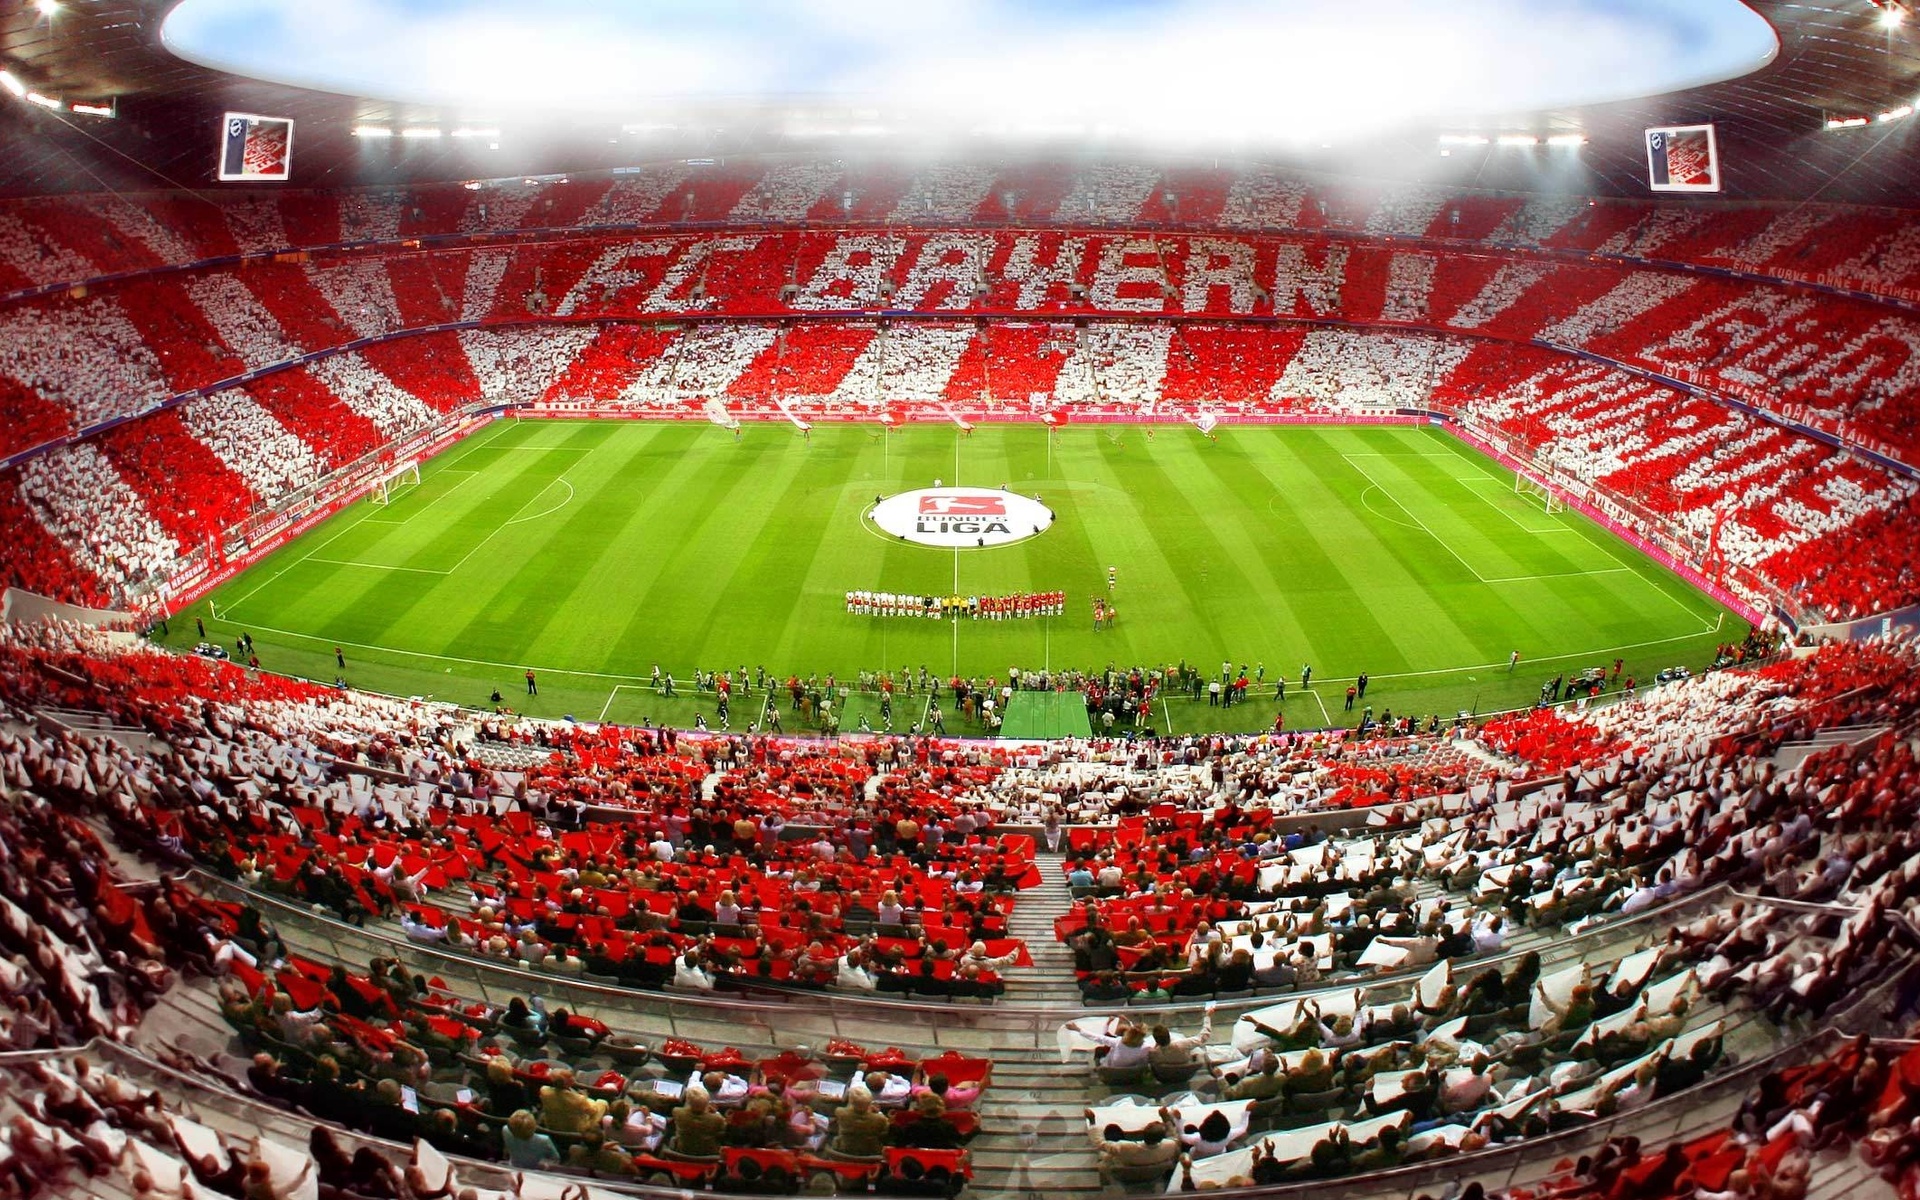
column 1703, row 1109
column 808, row 1017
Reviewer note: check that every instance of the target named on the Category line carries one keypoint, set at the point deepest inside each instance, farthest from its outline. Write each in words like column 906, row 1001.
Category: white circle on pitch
column 961, row 518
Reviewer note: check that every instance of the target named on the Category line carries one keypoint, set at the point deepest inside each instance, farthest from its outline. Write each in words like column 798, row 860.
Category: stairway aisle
column 1049, row 982
column 1033, row 1139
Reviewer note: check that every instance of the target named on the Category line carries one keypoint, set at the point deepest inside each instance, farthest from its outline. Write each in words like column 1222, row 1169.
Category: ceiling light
column 8, row 81
column 419, row 131
column 43, row 101
column 372, row 131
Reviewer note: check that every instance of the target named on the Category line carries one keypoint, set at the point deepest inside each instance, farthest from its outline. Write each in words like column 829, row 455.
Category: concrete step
column 1843, row 1176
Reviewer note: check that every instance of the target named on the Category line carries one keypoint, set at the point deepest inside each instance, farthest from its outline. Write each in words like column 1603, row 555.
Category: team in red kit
column 1014, row 607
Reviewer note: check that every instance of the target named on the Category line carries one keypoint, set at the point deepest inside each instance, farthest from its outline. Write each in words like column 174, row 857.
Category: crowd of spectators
column 387, row 812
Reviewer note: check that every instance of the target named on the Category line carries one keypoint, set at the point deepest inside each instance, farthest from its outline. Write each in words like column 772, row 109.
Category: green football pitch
column 590, row 551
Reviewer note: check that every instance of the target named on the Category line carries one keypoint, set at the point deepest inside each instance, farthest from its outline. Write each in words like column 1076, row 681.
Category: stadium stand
column 1575, row 952
column 364, row 808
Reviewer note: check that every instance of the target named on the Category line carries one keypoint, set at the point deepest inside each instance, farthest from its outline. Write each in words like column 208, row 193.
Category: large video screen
column 1683, row 158
column 255, row 149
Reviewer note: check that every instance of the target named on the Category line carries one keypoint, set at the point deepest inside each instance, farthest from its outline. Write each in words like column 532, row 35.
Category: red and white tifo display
column 960, row 518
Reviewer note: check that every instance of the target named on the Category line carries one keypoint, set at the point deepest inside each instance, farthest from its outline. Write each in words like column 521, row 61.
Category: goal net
column 1535, row 490
column 388, row 485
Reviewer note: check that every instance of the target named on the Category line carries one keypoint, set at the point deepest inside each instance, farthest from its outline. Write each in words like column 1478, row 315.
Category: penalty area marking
column 1621, row 567
column 1468, row 481
column 1422, row 525
column 617, row 689
column 464, row 473
column 1326, row 718
column 374, row 566
column 249, row 593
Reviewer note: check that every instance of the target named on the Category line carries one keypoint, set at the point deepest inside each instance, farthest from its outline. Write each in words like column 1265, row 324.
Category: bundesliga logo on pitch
column 961, row 518
column 962, row 514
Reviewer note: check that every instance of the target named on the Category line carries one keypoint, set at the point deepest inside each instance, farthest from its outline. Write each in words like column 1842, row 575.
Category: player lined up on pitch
column 1018, row 606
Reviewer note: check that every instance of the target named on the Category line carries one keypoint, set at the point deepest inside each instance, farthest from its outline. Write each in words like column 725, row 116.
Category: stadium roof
column 1839, row 61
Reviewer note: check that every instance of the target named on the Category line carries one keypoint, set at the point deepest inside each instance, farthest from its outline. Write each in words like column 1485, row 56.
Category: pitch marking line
column 348, row 562
column 464, row 476
column 617, row 689
column 1559, row 575
column 1621, row 569
column 248, row 595
column 1326, row 718
column 1572, row 656
column 1654, row 583
column 643, row 682
column 1397, row 454
column 454, row 658
column 514, row 520
column 546, row 512
column 1469, row 480
column 1366, row 504
column 1423, row 526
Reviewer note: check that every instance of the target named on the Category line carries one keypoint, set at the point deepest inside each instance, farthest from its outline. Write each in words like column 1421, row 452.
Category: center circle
column 961, row 518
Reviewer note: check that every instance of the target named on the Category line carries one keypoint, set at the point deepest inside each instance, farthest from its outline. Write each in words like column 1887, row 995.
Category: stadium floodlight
column 372, row 131
column 1894, row 114
column 93, row 110
column 1892, row 14
column 43, row 101
column 1518, row 139
column 419, row 131
column 12, row 83
column 476, row 133
column 1845, row 122
column 1567, row 139
column 47, row 7
column 1462, row 139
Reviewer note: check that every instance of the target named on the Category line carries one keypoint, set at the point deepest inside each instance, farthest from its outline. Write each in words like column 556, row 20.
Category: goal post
column 390, row 483
column 1535, row 490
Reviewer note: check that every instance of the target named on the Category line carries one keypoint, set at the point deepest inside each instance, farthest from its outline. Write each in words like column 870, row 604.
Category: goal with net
column 1535, row 490
column 388, row 486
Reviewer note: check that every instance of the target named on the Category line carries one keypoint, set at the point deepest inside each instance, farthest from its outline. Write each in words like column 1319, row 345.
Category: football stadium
column 1101, row 598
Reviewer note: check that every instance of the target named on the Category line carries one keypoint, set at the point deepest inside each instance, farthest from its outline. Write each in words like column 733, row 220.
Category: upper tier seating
column 72, row 239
